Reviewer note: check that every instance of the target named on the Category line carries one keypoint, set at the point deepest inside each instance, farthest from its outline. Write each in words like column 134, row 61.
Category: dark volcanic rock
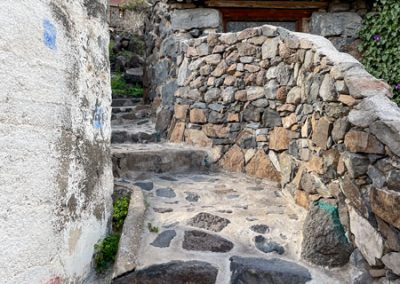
column 266, row 246
column 267, row 271
column 209, row 222
column 177, row 272
column 145, row 185
column 192, row 197
column 260, row 228
column 164, row 239
column 165, row 192
column 163, row 210
column 324, row 239
column 202, row 241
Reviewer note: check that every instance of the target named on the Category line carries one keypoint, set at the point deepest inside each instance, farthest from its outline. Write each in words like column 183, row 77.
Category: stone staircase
column 132, row 121
column 190, row 223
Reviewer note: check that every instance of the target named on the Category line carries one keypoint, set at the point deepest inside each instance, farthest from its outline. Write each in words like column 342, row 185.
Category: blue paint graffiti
column 49, row 34
column 98, row 120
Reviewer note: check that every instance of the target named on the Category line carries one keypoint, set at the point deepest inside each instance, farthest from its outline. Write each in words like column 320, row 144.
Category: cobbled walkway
column 220, row 228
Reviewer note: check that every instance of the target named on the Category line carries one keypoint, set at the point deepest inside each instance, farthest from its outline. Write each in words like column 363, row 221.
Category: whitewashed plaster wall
column 55, row 167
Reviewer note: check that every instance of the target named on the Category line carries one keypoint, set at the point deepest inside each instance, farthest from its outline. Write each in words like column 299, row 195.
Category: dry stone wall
column 55, row 170
column 165, row 28
column 289, row 107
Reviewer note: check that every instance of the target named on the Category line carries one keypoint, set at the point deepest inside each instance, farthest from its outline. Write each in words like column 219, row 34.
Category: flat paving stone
column 209, row 222
column 267, row 246
column 260, row 228
column 177, row 272
column 163, row 210
column 166, row 192
column 267, row 271
column 192, row 197
column 145, row 185
column 202, row 241
column 164, row 239
column 169, row 178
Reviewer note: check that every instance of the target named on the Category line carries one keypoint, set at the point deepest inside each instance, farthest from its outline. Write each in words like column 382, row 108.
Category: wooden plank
column 265, row 15
column 267, row 4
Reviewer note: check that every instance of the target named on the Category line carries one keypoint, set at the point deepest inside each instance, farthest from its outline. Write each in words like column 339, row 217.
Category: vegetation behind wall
column 380, row 47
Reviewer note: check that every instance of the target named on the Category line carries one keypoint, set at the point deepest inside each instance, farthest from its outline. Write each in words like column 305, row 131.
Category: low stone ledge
column 129, row 243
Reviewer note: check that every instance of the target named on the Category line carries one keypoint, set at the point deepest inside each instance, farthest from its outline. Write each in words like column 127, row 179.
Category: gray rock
column 166, row 192
column 266, row 246
column 254, row 93
column 327, row 91
column 212, row 95
column 209, row 222
column 294, row 96
column 356, row 164
column 199, row 18
column 271, row 118
column 167, row 92
column 145, row 185
column 336, row 24
column 271, row 89
column 169, row 47
column 228, row 95
column 134, row 75
column 270, row 48
column 164, row 239
column 260, row 228
column 392, row 261
column 283, row 74
column 340, row 127
column 377, row 177
column 202, row 241
column 163, row 210
column 216, row 117
column 179, row 272
column 324, row 239
column 267, row 271
column 393, row 180
column 199, row 105
column 192, row 197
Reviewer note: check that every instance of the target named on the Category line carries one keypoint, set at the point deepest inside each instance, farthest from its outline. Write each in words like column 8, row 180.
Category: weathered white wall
column 55, row 170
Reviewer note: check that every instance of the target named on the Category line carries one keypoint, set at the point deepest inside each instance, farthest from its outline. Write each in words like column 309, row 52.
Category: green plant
column 120, row 211
column 105, row 252
column 121, row 87
column 152, row 229
column 380, row 43
column 135, row 4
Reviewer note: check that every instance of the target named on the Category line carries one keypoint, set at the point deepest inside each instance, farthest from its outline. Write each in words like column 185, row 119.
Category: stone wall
column 289, row 107
column 164, row 30
column 55, row 168
column 127, row 20
column 168, row 24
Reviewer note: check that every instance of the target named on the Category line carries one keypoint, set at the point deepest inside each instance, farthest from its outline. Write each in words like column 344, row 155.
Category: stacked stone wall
column 289, row 107
column 164, row 29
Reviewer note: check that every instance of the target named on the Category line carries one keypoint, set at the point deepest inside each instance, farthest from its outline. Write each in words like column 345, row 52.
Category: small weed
column 120, row 211
column 152, row 229
column 105, row 252
column 121, row 87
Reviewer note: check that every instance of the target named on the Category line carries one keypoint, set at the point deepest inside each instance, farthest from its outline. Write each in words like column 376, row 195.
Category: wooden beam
column 267, row 4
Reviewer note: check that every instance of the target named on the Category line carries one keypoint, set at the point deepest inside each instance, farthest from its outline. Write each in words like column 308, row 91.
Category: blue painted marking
column 98, row 118
column 49, row 34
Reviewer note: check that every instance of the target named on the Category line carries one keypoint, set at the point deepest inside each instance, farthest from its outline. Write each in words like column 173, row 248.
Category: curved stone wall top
column 290, row 108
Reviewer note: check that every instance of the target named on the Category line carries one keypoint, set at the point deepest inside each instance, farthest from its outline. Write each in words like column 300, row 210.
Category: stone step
column 217, row 228
column 125, row 102
column 126, row 136
column 134, row 131
column 159, row 158
column 123, row 109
